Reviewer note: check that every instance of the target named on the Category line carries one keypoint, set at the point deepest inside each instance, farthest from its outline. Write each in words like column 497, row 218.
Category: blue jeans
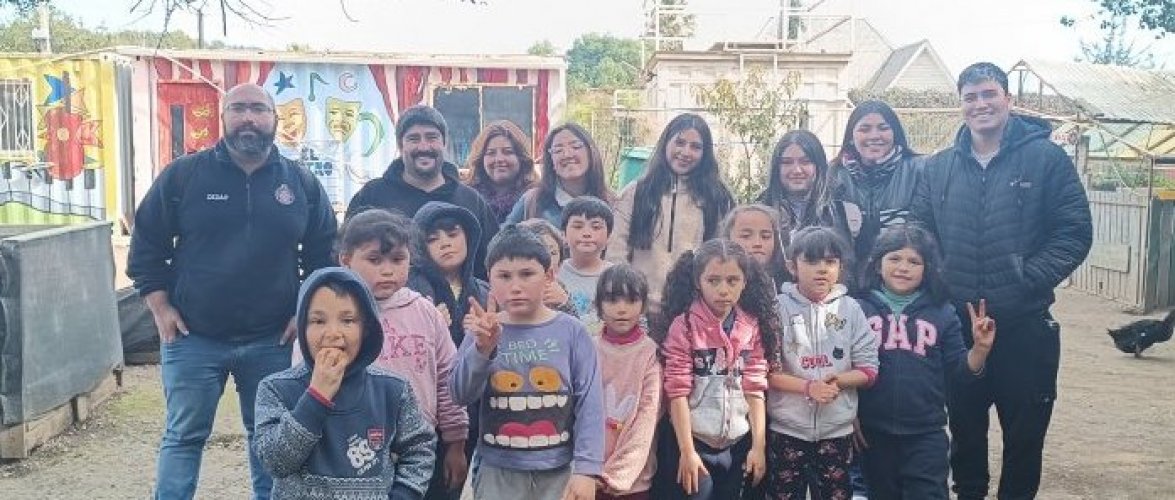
column 195, row 369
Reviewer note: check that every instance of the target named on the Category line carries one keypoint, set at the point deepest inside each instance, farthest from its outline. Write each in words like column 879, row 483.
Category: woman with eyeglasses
column 675, row 205
column 572, row 167
column 500, row 167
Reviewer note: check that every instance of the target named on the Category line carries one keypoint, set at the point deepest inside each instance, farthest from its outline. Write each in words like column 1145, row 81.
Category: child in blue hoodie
column 333, row 427
column 922, row 354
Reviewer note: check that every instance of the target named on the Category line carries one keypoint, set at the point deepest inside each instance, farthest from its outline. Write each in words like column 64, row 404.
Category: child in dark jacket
column 443, row 272
column 333, row 427
column 444, row 269
column 921, row 354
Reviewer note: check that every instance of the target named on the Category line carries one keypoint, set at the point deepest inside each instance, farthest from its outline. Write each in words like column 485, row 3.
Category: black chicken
column 1142, row 334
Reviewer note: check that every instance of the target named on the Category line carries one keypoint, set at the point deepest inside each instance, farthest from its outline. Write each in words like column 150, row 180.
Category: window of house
column 16, row 119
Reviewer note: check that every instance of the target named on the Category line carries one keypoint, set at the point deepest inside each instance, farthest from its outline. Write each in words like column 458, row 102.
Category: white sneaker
column 860, row 497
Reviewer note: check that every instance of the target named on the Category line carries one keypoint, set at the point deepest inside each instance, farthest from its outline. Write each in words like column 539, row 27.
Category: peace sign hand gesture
column 982, row 326
column 484, row 325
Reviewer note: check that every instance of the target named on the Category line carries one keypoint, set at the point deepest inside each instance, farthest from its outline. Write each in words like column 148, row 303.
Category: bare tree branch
column 343, row 6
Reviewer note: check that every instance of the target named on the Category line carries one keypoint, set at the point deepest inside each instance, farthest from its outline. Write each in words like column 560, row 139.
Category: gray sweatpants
column 493, row 483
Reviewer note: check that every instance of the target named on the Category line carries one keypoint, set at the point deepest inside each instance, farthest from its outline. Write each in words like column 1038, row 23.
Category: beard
column 426, row 171
column 249, row 140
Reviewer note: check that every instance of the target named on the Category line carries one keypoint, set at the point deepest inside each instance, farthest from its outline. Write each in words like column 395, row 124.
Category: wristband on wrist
column 808, row 389
column 320, row 397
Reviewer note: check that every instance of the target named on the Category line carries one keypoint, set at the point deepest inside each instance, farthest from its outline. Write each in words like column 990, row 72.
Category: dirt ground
column 1110, row 438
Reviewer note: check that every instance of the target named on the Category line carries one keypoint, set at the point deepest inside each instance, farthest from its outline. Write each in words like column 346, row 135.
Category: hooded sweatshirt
column 417, row 347
column 391, row 192
column 369, row 442
column 922, row 355
column 820, row 339
column 431, row 282
column 715, row 370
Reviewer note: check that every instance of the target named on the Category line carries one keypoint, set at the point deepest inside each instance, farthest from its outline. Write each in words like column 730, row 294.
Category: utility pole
column 200, row 27
column 41, row 34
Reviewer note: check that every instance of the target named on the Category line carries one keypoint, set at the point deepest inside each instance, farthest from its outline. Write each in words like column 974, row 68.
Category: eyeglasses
column 257, row 108
column 561, row 149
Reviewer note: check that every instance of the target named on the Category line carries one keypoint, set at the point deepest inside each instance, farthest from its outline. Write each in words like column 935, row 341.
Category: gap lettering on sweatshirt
column 898, row 336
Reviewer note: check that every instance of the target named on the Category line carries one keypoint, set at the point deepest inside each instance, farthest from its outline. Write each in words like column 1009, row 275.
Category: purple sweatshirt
column 541, row 406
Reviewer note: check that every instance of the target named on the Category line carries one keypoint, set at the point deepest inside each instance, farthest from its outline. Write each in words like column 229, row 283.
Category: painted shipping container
column 63, row 143
column 336, row 112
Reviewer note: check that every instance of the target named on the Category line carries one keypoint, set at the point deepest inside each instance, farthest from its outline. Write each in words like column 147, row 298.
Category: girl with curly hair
column 717, row 321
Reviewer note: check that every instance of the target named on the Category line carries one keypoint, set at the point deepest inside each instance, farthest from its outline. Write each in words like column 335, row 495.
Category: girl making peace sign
column 922, row 353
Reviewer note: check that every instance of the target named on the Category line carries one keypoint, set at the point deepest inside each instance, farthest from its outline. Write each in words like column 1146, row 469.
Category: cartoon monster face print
column 291, row 123
column 341, row 117
column 527, row 410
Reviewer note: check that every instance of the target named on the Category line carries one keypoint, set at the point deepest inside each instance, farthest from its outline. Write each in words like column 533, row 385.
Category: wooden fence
column 1131, row 261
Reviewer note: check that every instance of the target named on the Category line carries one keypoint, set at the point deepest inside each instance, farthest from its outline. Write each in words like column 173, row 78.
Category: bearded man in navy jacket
column 220, row 245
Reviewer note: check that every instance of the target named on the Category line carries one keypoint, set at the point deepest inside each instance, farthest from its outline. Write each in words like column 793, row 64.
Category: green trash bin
column 632, row 164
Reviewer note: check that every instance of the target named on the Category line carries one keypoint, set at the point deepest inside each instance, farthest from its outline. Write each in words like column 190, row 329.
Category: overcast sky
column 1001, row 31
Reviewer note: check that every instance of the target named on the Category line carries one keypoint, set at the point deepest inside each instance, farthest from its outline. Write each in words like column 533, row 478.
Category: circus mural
column 338, row 119
column 58, row 141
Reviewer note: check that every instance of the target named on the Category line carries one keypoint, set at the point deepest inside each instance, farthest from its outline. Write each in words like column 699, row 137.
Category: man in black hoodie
column 421, row 174
column 1012, row 219
column 216, row 250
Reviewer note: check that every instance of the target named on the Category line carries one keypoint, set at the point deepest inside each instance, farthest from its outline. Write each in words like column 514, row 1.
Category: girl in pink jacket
column 719, row 318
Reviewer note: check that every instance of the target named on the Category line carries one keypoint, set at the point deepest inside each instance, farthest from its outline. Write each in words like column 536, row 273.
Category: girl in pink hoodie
column 417, row 346
column 719, row 318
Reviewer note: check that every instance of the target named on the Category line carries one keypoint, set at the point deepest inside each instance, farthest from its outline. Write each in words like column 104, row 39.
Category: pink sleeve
column 631, row 455
column 451, row 417
column 755, row 372
column 677, row 348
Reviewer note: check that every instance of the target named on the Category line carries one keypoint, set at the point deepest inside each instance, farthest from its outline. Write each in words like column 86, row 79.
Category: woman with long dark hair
column 801, row 186
column 500, row 166
column 675, row 205
column 572, row 167
column 877, row 170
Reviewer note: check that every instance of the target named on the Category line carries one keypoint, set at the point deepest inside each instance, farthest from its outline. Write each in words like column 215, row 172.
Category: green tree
column 755, row 109
column 69, row 35
column 543, row 48
column 1153, row 15
column 599, row 61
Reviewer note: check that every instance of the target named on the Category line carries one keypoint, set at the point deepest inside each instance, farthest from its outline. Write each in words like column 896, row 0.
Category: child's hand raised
column 982, row 326
column 329, row 365
column 554, row 295
column 483, row 323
